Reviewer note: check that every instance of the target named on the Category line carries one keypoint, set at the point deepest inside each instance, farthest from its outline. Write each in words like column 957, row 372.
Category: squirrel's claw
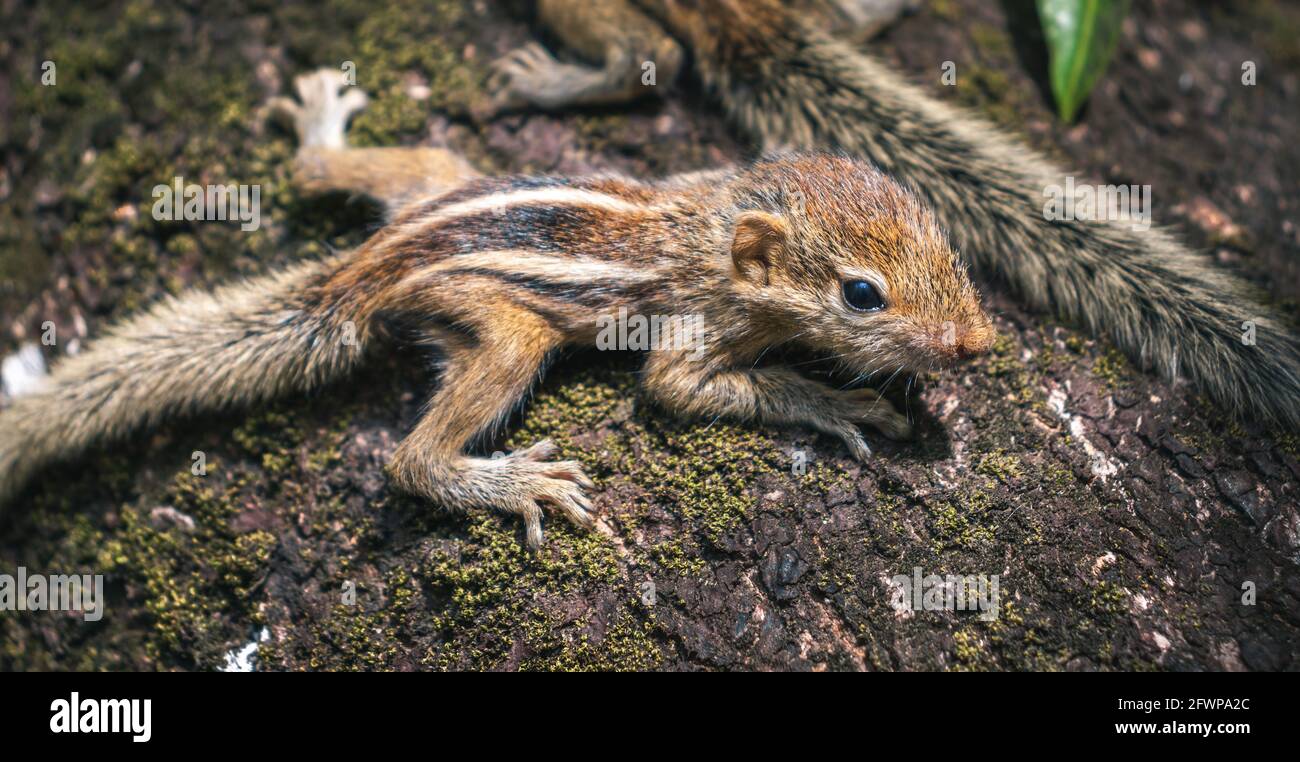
column 867, row 406
column 887, row 420
column 531, row 77
column 857, row 444
column 559, row 484
column 517, row 78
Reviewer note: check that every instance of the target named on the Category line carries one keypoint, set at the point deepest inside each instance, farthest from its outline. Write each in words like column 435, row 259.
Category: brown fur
column 207, row 351
column 391, row 175
column 615, row 36
column 787, row 84
column 497, row 275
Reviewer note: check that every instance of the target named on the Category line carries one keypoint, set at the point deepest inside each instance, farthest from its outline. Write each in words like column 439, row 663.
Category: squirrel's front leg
column 693, row 386
column 483, row 379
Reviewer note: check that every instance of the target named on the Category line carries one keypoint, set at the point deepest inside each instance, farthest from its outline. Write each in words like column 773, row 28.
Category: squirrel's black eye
column 862, row 296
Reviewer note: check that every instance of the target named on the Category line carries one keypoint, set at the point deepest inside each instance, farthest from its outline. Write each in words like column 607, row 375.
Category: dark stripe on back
column 545, row 228
column 590, row 293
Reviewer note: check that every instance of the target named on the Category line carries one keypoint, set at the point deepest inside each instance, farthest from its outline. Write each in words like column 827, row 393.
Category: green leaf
column 1081, row 37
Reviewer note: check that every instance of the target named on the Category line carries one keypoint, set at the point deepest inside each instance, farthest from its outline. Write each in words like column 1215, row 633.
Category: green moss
column 673, row 556
column 490, row 590
column 194, row 583
column 1113, row 368
column 946, row 10
column 135, row 105
column 387, row 43
column 560, row 412
column 706, row 472
column 1012, row 373
column 986, row 86
column 364, row 635
column 1000, row 465
column 967, row 649
column 960, row 523
column 821, row 478
column 627, row 645
column 269, row 436
column 1289, row 442
column 486, row 588
column 1108, row 599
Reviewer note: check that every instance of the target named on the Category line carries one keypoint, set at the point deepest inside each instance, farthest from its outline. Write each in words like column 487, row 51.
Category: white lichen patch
column 899, row 599
column 244, row 658
column 1102, row 466
column 23, row 372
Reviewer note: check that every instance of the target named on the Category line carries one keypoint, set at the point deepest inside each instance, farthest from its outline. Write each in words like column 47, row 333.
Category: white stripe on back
column 559, row 267
column 502, row 202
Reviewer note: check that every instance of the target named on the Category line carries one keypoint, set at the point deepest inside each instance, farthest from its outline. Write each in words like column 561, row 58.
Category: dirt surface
column 1130, row 525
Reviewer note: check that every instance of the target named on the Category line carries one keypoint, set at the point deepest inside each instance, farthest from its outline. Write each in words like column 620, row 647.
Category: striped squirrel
column 787, row 83
column 501, row 273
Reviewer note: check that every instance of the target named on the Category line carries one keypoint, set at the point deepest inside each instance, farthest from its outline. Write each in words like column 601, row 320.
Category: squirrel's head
column 855, row 265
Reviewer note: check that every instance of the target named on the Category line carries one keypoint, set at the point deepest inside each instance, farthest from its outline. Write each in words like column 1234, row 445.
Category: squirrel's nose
column 974, row 343
column 967, row 343
column 957, row 343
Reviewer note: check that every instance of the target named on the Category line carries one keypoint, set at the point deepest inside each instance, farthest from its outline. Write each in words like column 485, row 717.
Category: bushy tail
column 197, row 353
column 1164, row 305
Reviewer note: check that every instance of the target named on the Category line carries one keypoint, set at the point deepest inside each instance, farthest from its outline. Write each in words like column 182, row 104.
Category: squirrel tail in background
column 202, row 352
column 1166, row 306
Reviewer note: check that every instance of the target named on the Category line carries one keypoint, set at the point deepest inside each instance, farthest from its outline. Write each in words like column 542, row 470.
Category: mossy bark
column 1127, row 521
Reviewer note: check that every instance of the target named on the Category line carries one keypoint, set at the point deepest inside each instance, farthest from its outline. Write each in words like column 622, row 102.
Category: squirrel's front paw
column 532, row 481
column 854, row 440
column 323, row 112
column 854, row 406
column 867, row 406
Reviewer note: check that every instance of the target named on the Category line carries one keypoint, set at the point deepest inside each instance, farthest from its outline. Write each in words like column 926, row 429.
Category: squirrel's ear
column 758, row 241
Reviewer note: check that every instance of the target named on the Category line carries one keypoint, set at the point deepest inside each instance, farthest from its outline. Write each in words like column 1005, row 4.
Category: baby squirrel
column 785, row 82
column 501, row 273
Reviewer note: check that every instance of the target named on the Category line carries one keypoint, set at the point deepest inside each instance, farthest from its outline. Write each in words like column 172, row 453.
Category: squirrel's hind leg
column 484, row 376
column 325, row 162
